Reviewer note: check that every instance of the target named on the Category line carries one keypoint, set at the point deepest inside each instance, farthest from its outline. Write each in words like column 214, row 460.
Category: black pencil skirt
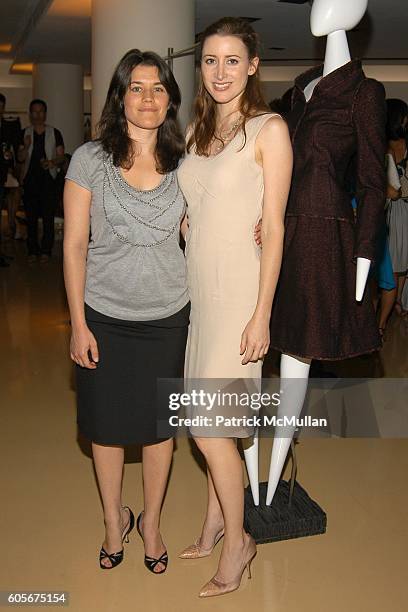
column 117, row 401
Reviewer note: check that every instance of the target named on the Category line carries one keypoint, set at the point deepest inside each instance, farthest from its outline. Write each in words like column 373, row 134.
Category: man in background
column 10, row 143
column 43, row 154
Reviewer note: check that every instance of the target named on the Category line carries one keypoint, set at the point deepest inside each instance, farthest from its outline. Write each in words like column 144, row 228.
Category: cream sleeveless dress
column 224, row 195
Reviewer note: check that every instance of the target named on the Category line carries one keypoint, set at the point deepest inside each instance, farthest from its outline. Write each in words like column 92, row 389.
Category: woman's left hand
column 255, row 340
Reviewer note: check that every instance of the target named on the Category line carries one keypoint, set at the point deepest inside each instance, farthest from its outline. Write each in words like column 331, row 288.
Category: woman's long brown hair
column 252, row 102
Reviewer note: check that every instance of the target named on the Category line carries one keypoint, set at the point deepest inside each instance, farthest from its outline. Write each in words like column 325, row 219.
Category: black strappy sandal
column 151, row 562
column 117, row 557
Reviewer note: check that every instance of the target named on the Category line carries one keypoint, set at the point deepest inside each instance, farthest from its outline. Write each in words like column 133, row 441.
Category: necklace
column 227, row 136
column 113, row 184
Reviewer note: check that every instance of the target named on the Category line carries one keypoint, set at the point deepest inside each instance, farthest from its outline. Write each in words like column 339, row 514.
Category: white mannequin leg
column 292, row 398
column 251, row 460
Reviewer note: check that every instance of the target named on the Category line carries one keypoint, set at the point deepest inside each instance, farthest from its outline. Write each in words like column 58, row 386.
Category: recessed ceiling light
column 6, row 48
column 22, row 68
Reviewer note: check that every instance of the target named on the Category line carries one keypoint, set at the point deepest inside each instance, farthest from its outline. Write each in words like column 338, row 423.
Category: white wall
column 274, row 89
column 397, row 90
column 17, row 89
column 62, row 87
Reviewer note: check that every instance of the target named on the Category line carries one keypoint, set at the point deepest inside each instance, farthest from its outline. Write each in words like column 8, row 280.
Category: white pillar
column 61, row 86
column 148, row 25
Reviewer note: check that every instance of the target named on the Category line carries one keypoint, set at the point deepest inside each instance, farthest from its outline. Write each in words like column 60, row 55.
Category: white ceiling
column 62, row 33
column 47, row 31
column 14, row 14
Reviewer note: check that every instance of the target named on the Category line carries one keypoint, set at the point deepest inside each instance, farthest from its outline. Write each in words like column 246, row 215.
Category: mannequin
column 331, row 18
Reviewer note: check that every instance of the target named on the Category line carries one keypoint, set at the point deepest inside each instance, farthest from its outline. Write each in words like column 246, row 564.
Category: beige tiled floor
column 51, row 526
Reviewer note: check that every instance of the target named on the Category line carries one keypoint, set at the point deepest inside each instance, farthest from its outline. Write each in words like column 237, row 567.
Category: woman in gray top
column 126, row 286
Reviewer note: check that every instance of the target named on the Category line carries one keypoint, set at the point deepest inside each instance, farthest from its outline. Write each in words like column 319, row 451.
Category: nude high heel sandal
column 196, row 551
column 215, row 587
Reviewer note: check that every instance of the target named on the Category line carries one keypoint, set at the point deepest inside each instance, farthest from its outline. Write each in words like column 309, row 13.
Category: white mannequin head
column 328, row 16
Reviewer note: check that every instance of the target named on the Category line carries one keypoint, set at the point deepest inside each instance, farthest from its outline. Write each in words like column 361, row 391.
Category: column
column 61, row 86
column 149, row 25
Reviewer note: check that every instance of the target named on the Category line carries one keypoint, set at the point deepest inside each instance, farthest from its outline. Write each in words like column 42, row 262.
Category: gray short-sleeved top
column 135, row 267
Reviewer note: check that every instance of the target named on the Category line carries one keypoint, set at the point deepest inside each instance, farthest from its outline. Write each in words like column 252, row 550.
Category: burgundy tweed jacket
column 315, row 313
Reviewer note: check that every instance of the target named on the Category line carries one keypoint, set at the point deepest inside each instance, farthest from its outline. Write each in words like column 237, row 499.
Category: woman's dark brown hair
column 113, row 128
column 252, row 102
column 397, row 110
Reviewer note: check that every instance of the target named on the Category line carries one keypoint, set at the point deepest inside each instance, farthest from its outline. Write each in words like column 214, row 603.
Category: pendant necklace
column 228, row 136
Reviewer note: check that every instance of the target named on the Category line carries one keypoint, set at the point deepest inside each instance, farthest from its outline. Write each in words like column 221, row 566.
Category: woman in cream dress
column 237, row 169
column 224, row 193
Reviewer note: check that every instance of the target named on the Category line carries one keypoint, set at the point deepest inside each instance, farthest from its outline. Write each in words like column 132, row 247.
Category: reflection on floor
column 51, row 516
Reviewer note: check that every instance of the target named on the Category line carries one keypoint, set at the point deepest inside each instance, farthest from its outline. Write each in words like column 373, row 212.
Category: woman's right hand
column 392, row 193
column 258, row 233
column 82, row 344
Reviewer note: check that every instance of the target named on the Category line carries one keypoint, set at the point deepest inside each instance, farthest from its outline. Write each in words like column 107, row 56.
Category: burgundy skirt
column 315, row 313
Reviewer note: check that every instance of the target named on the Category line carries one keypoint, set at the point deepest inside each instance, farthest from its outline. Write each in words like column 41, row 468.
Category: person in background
column 59, row 183
column 397, row 193
column 3, row 175
column 404, row 295
column 43, row 155
column 10, row 140
column 384, row 281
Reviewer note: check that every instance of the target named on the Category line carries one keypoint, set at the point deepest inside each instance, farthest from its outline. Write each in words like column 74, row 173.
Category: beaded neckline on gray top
column 142, row 195
column 113, row 179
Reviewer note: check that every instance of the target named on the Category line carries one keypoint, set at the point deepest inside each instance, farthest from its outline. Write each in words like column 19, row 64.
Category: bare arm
column 275, row 149
column 77, row 203
column 393, row 181
column 23, row 149
column 184, row 226
column 57, row 161
column 274, row 152
column 392, row 193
